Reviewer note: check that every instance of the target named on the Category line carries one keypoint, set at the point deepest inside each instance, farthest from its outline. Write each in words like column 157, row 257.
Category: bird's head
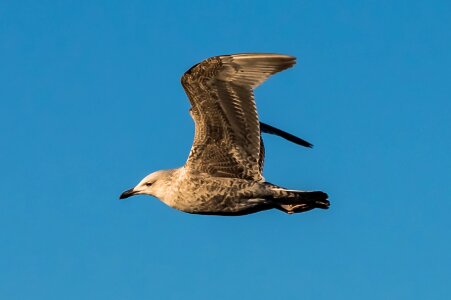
column 153, row 184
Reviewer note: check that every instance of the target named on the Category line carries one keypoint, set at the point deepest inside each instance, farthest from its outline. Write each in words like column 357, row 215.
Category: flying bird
column 223, row 173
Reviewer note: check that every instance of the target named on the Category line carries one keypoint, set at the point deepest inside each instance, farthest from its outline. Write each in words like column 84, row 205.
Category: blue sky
column 88, row 87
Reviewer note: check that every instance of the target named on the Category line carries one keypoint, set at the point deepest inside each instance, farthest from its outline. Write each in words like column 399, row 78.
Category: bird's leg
column 295, row 208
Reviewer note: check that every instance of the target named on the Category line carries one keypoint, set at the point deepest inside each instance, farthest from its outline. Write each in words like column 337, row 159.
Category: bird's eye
column 148, row 183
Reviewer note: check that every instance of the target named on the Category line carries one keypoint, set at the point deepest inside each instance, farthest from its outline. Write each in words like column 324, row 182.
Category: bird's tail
column 293, row 201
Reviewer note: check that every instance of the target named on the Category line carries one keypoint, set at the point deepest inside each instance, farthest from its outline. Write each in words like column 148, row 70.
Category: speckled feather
column 223, row 173
column 227, row 139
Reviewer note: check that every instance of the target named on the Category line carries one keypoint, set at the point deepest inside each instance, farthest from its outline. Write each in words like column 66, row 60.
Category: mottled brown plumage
column 227, row 136
column 223, row 173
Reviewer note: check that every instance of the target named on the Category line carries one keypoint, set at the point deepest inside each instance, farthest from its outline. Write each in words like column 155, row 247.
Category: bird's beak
column 127, row 194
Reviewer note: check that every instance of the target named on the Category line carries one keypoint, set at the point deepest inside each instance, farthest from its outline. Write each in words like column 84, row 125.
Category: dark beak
column 127, row 194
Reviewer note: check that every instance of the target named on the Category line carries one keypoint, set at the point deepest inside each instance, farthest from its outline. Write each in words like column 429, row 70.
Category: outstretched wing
column 227, row 135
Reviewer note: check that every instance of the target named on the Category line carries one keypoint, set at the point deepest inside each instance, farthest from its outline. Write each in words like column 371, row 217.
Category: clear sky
column 91, row 102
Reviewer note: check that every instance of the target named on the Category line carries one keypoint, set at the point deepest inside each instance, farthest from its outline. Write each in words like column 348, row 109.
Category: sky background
column 91, row 102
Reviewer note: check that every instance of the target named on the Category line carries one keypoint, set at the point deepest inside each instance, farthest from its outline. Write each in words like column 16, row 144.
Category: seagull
column 223, row 173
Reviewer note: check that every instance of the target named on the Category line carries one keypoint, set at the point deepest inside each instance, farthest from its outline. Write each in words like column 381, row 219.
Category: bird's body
column 197, row 193
column 223, row 174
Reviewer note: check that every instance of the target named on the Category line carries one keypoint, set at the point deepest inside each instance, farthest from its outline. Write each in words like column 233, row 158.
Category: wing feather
column 227, row 140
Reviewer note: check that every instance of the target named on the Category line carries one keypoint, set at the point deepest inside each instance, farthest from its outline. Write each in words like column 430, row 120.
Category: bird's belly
column 220, row 196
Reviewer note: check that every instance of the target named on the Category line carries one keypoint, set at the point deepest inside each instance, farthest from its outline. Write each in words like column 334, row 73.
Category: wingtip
column 288, row 136
column 288, row 59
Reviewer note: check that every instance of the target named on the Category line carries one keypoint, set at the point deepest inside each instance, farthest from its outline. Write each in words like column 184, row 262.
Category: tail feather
column 300, row 201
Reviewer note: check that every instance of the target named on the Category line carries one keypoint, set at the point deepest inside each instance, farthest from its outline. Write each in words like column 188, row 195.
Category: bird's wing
column 227, row 135
column 283, row 134
column 288, row 136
